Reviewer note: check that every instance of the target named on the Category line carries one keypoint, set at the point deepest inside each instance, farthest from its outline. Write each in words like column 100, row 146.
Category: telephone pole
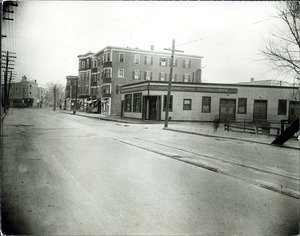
column 170, row 82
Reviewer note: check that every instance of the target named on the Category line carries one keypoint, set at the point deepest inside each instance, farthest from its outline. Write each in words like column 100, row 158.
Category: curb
column 239, row 139
column 2, row 117
column 268, row 186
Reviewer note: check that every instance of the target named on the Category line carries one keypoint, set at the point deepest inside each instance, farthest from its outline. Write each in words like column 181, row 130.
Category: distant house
column 24, row 94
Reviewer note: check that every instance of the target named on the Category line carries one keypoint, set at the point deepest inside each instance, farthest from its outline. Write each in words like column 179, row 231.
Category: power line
column 224, row 32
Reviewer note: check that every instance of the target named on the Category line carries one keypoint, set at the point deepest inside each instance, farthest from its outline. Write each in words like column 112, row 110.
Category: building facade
column 113, row 67
column 70, row 93
column 84, row 79
column 24, row 94
column 210, row 102
column 41, row 99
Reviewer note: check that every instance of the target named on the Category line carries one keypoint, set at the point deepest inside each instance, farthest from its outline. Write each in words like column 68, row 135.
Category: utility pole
column 74, row 112
column 170, row 83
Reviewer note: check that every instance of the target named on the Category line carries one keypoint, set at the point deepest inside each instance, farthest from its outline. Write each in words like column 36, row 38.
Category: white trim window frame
column 163, row 61
column 163, row 76
column 186, row 78
column 148, row 75
column 148, row 60
column 137, row 59
column 121, row 73
column 121, row 58
column 137, row 74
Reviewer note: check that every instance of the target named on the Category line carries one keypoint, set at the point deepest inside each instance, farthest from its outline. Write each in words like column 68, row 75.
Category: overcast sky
column 47, row 36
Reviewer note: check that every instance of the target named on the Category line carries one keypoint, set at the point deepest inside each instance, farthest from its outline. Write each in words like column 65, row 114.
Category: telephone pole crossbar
column 170, row 83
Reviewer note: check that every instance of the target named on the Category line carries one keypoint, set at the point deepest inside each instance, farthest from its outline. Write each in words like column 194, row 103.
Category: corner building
column 112, row 67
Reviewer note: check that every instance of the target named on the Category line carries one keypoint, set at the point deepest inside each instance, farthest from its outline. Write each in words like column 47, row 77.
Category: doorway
column 152, row 108
column 227, row 109
column 260, row 111
column 293, row 110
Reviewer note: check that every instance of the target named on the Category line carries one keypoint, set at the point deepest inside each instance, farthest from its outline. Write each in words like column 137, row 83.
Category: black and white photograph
column 150, row 118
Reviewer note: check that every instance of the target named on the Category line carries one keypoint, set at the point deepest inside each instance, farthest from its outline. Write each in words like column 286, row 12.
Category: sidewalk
column 197, row 128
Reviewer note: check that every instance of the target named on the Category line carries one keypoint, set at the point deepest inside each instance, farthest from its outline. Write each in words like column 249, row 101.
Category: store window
column 127, row 102
column 137, row 102
column 282, row 107
column 187, row 104
column 242, row 105
column 165, row 103
column 206, row 104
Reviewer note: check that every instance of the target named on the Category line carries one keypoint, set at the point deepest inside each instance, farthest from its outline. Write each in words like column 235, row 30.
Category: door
column 293, row 110
column 227, row 109
column 260, row 111
column 152, row 108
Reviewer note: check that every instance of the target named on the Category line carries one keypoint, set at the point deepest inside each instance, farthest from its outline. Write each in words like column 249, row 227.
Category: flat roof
column 209, row 84
column 145, row 51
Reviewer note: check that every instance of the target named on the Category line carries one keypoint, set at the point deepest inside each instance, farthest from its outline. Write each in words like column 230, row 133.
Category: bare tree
column 54, row 90
column 283, row 48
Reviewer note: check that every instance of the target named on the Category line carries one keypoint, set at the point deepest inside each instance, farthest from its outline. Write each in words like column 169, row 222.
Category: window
column 163, row 61
column 206, row 102
column 95, row 63
column 137, row 59
column 88, row 63
column 121, row 73
column 282, row 107
column 186, row 78
column 148, row 60
column 242, row 105
column 137, row 102
column 108, row 56
column 107, row 73
column 121, row 57
column 82, row 64
column 137, row 74
column 127, row 103
column 148, row 75
column 187, row 104
column 105, row 88
column 165, row 103
column 174, row 62
column 162, row 76
column 187, row 63
column 174, row 77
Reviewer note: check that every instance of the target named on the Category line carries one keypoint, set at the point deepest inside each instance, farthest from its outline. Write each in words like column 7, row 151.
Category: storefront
column 210, row 102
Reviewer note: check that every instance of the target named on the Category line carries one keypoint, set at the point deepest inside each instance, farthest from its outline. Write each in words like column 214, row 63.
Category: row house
column 112, row 67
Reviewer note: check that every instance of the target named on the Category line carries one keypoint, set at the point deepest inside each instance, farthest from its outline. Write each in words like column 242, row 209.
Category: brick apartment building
column 102, row 74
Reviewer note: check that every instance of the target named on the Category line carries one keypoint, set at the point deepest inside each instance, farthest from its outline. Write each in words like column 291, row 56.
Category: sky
column 47, row 36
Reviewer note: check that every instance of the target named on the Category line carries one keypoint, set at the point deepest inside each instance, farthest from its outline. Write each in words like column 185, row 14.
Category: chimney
column 252, row 79
column 152, row 47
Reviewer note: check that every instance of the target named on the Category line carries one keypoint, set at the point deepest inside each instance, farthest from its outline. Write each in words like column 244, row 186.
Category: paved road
column 64, row 174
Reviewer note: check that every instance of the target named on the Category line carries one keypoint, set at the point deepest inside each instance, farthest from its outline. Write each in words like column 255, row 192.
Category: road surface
column 65, row 174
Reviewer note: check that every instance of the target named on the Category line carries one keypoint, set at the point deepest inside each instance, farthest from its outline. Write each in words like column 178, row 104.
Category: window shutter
column 151, row 60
